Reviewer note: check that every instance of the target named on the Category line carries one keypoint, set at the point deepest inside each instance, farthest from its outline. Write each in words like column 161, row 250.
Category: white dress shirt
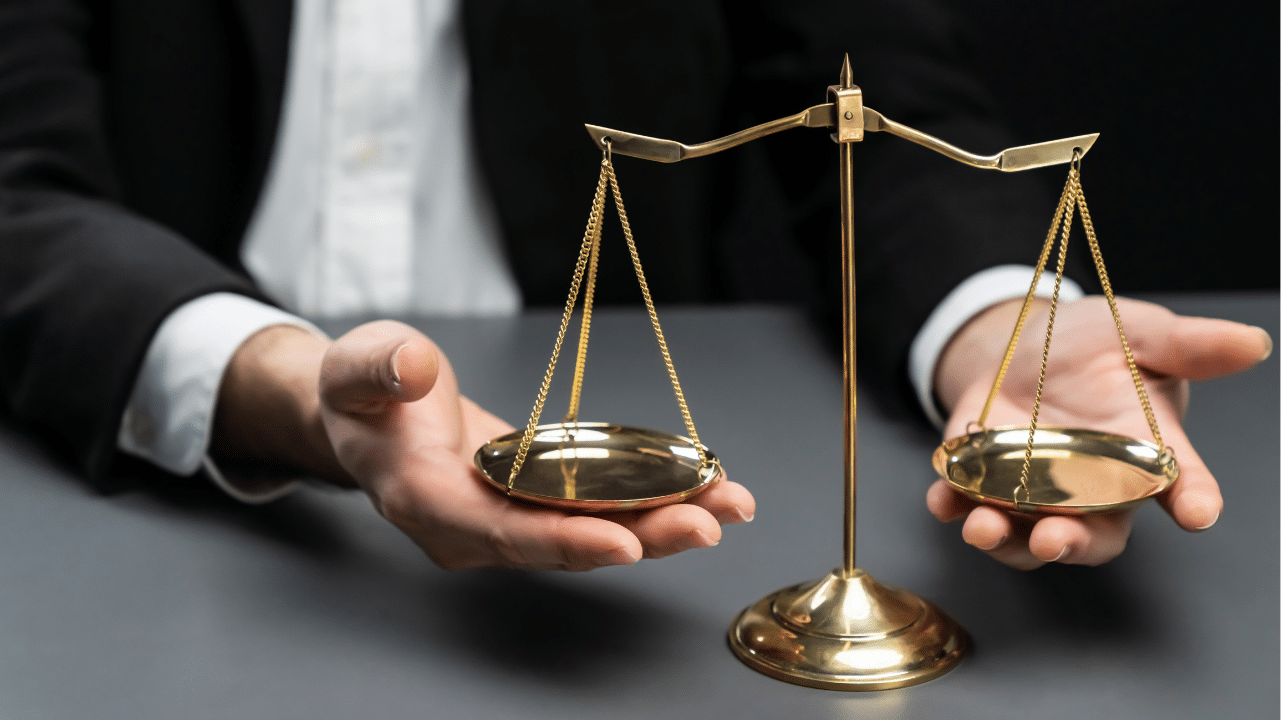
column 375, row 204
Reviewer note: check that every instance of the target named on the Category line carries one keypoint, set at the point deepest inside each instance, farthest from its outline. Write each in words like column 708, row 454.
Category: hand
column 1087, row 385
column 386, row 416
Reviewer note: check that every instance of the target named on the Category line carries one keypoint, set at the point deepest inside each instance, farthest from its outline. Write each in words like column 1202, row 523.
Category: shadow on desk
column 1053, row 606
column 549, row 628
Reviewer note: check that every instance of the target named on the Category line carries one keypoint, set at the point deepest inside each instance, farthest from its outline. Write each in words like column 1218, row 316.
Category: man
column 134, row 148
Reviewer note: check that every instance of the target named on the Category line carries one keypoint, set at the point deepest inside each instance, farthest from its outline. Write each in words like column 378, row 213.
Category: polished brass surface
column 1024, row 157
column 847, row 103
column 1038, row 488
column 653, row 318
column 585, row 251
column 1065, row 203
column 585, row 322
column 1071, row 472
column 851, row 97
column 669, row 151
column 598, row 467
column 617, row 494
column 847, row 632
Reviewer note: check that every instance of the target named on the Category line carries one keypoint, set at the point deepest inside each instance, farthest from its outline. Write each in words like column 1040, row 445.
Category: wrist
column 975, row 351
column 268, row 411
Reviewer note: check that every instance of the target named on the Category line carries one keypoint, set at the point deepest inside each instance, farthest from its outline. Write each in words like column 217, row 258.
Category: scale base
column 847, row 633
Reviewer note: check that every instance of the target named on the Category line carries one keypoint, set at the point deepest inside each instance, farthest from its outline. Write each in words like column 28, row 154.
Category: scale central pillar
column 846, row 631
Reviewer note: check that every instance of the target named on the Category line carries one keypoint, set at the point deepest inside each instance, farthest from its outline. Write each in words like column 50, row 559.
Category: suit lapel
column 266, row 26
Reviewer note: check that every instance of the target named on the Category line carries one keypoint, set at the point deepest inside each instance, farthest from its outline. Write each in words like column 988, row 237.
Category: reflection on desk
column 177, row 603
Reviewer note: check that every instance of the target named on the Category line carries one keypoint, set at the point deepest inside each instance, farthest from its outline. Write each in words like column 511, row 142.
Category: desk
column 146, row 605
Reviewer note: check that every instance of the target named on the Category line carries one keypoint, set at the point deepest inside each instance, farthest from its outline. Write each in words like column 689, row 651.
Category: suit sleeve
column 84, row 282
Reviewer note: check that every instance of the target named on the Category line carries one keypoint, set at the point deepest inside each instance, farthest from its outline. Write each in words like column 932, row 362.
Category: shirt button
column 142, row 428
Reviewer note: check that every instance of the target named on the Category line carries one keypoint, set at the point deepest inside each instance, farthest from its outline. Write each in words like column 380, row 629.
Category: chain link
column 1072, row 197
column 589, row 293
column 1045, row 352
column 593, row 231
column 653, row 315
column 1116, row 317
column 1064, row 199
column 588, row 256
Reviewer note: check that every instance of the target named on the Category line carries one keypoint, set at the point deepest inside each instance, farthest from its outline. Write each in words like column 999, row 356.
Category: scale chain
column 588, row 256
column 653, row 315
column 593, row 230
column 1045, row 353
column 1116, row 318
column 1064, row 199
column 1073, row 196
column 589, row 293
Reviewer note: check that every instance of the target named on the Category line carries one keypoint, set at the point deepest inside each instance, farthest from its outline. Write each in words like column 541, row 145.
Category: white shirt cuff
column 169, row 418
column 979, row 292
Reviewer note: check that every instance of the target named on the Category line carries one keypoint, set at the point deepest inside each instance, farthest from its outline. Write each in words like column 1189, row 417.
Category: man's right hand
column 380, row 409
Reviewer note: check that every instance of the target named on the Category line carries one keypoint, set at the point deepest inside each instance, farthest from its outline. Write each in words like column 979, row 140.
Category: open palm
column 400, row 427
column 1088, row 385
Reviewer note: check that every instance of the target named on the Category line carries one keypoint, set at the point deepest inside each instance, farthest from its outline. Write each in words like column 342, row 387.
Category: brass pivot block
column 848, row 105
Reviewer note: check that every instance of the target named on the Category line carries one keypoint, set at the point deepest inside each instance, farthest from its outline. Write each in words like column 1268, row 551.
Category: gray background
column 182, row 604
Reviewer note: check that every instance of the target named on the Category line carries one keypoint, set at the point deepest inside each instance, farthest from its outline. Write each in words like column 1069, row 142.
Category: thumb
column 375, row 364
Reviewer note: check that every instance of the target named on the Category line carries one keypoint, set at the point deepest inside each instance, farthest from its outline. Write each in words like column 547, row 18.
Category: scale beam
column 670, row 151
column 1024, row 157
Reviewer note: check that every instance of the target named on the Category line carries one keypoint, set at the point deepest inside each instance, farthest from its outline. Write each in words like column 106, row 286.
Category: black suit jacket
column 135, row 135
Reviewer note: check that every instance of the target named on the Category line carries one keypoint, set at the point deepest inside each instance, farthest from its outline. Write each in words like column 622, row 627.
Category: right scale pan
column 1071, row 471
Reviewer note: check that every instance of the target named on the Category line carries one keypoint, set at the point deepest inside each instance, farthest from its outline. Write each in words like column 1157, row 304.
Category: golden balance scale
column 844, row 631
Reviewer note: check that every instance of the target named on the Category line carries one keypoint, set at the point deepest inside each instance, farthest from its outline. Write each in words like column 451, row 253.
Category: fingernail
column 999, row 542
column 1210, row 524
column 1267, row 352
column 619, row 556
column 744, row 517
column 697, row 539
column 1063, row 553
column 395, row 365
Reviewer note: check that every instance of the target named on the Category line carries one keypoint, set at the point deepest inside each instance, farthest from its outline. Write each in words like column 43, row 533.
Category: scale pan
column 598, row 467
column 1073, row 471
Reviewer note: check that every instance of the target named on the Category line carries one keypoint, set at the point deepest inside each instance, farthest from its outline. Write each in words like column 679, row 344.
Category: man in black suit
column 134, row 139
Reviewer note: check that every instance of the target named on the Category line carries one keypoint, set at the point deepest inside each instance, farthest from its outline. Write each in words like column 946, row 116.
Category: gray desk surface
column 145, row 605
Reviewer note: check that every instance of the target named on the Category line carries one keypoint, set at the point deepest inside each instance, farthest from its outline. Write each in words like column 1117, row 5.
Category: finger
column 1197, row 348
column 947, row 504
column 727, row 501
column 522, row 536
column 439, row 500
column 1194, row 500
column 993, row 532
column 575, row 543
column 1091, row 540
column 377, row 363
column 671, row 529
column 482, row 425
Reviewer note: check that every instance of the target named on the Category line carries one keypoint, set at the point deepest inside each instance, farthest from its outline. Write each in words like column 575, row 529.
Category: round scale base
column 1072, row 471
column 847, row 633
column 598, row 467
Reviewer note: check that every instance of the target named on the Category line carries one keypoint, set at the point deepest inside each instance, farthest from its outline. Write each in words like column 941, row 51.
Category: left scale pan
column 599, row 467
